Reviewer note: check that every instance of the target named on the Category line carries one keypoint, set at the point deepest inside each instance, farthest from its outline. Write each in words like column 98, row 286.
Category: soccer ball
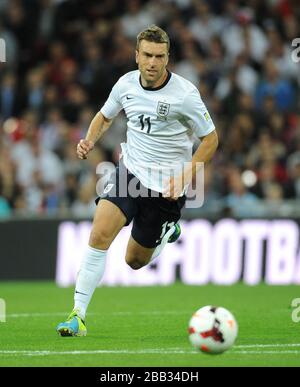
column 212, row 329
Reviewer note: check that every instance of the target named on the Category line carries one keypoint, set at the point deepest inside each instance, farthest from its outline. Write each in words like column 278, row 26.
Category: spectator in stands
column 240, row 201
column 281, row 89
column 9, row 96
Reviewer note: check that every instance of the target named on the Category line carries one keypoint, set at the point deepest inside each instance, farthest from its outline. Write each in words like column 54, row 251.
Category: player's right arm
column 98, row 127
column 101, row 122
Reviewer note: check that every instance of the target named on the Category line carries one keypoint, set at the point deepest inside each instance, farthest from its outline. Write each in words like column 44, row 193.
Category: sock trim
column 96, row 250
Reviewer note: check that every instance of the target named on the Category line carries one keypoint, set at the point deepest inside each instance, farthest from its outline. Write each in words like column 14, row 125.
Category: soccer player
column 163, row 111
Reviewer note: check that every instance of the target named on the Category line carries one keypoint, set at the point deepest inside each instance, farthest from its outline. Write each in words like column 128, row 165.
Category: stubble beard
column 151, row 81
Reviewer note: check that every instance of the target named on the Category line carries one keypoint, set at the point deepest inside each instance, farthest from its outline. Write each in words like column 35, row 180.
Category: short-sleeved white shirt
column 161, row 123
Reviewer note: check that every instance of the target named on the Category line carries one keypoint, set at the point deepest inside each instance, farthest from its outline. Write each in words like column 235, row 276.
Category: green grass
column 128, row 322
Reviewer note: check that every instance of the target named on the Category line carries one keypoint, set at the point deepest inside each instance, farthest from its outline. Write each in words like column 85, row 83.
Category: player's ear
column 136, row 56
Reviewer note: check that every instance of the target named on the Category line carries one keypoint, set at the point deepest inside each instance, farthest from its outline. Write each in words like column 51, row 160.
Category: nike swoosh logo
column 129, row 97
column 80, row 293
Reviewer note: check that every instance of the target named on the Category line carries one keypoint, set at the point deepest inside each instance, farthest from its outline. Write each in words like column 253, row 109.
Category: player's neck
column 156, row 84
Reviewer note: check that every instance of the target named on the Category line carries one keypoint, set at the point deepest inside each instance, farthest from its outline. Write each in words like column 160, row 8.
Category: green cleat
column 74, row 326
column 176, row 234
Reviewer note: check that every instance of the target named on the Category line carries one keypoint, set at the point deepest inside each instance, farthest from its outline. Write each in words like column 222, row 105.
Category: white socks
column 88, row 278
column 92, row 269
column 162, row 244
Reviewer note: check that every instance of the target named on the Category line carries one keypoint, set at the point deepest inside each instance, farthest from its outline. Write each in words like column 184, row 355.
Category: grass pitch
column 146, row 326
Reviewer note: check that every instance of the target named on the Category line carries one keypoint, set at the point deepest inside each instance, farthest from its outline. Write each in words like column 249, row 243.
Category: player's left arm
column 199, row 120
column 203, row 154
column 203, row 127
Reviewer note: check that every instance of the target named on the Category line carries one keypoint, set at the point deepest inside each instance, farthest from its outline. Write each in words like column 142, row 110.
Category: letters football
column 212, row 329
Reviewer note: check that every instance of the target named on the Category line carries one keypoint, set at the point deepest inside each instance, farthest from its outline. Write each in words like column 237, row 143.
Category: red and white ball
column 212, row 329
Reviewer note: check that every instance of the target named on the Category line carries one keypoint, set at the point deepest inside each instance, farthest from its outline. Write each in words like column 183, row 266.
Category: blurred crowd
column 63, row 57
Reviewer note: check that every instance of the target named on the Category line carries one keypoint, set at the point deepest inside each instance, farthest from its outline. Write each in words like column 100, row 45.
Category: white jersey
column 161, row 122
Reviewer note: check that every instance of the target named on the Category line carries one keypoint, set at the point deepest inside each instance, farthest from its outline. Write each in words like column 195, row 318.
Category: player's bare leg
column 108, row 221
column 138, row 256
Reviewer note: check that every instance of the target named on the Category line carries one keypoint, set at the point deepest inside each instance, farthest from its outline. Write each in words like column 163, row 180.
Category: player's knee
column 135, row 263
column 100, row 239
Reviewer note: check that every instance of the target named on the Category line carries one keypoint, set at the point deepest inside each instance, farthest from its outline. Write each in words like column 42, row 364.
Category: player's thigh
column 155, row 217
column 108, row 221
column 137, row 255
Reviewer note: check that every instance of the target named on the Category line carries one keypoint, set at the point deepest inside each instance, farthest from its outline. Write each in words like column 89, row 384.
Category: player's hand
column 83, row 148
column 173, row 188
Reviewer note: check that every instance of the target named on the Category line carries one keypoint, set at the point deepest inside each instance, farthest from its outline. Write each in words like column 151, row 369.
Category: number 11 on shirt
column 141, row 117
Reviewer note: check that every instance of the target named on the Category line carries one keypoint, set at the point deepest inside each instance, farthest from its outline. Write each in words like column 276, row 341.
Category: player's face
column 152, row 59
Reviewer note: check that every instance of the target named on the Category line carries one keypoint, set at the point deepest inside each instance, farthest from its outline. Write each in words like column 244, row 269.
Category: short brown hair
column 153, row 34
